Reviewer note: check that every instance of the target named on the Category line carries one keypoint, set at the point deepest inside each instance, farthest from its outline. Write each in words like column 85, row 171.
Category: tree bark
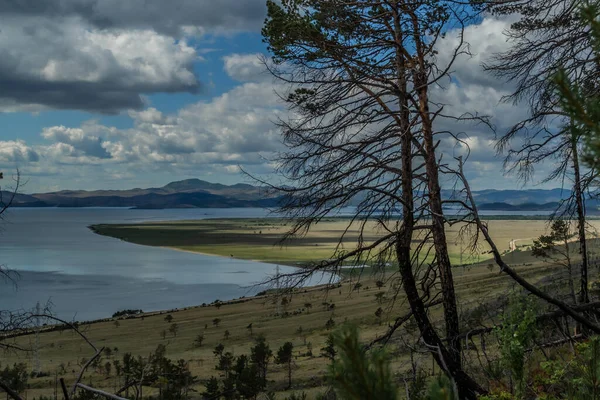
column 449, row 361
column 290, row 373
column 584, row 296
column 437, row 217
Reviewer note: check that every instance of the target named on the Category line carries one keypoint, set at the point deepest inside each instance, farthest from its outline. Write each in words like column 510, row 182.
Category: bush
column 126, row 313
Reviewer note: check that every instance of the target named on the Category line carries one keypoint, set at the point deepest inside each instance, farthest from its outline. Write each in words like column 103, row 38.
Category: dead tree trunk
column 584, row 296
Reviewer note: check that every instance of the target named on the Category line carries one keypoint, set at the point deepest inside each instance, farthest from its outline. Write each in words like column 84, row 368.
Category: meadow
column 259, row 239
column 62, row 353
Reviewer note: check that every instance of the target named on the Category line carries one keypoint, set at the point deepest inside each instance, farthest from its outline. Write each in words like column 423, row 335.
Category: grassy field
column 62, row 353
column 141, row 336
column 257, row 239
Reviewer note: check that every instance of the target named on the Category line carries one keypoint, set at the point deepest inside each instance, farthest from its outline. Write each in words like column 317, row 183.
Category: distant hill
column 521, row 207
column 189, row 193
column 521, row 197
column 196, row 193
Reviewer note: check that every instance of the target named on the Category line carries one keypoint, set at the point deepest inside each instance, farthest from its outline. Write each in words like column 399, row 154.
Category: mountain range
column 196, row 193
column 189, row 193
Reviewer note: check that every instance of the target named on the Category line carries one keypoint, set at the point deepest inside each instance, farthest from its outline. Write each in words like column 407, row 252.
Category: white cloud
column 16, row 151
column 214, row 137
column 472, row 89
column 148, row 116
column 246, row 67
column 208, row 137
column 65, row 63
column 475, row 91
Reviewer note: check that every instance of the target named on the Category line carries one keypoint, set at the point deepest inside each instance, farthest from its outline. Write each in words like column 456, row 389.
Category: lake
column 87, row 276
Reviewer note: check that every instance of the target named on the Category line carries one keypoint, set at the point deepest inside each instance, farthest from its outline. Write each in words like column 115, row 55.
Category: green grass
column 259, row 239
column 475, row 285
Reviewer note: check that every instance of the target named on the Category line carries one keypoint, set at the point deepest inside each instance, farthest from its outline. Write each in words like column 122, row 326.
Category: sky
column 138, row 93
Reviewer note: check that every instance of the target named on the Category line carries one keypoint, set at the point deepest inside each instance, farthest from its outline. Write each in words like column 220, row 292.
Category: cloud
column 472, row 90
column 207, row 137
column 166, row 17
column 104, row 55
column 78, row 140
column 17, row 151
column 63, row 63
column 246, row 67
column 148, row 116
column 210, row 138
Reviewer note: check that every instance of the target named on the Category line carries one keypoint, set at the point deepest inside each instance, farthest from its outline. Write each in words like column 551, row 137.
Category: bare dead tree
column 567, row 309
column 19, row 323
column 549, row 35
column 8, row 194
column 555, row 247
column 363, row 129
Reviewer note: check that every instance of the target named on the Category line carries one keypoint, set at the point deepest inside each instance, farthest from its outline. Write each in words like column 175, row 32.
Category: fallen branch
column 550, row 315
column 126, row 386
column 64, row 388
column 100, row 392
column 9, row 391
column 82, row 371
column 567, row 309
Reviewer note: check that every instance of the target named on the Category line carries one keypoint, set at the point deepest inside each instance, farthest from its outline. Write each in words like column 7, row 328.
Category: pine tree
column 284, row 356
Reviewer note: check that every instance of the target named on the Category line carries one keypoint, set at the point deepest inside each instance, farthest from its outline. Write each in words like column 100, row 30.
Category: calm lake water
column 88, row 276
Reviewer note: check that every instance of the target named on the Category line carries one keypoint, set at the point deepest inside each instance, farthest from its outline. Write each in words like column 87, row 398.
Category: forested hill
column 196, row 193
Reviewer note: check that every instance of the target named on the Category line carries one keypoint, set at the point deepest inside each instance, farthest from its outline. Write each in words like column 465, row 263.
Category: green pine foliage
column 581, row 102
column 516, row 335
column 442, row 388
column 358, row 373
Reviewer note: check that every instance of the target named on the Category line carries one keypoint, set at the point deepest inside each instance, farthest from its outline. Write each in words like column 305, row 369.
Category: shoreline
column 152, row 313
column 211, row 254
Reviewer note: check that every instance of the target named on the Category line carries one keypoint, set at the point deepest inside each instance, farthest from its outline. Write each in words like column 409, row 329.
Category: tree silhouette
column 358, row 77
column 212, row 389
column 358, row 374
column 328, row 351
column 308, row 306
column 225, row 363
column 284, row 356
column 357, row 286
column 216, row 322
column 545, row 57
column 218, row 351
column 174, row 328
column 260, row 354
column 330, row 324
column 199, row 339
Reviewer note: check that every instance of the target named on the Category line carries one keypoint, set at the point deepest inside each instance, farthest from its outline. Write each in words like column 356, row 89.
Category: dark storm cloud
column 65, row 63
column 105, row 55
column 163, row 16
column 68, row 95
column 104, row 97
